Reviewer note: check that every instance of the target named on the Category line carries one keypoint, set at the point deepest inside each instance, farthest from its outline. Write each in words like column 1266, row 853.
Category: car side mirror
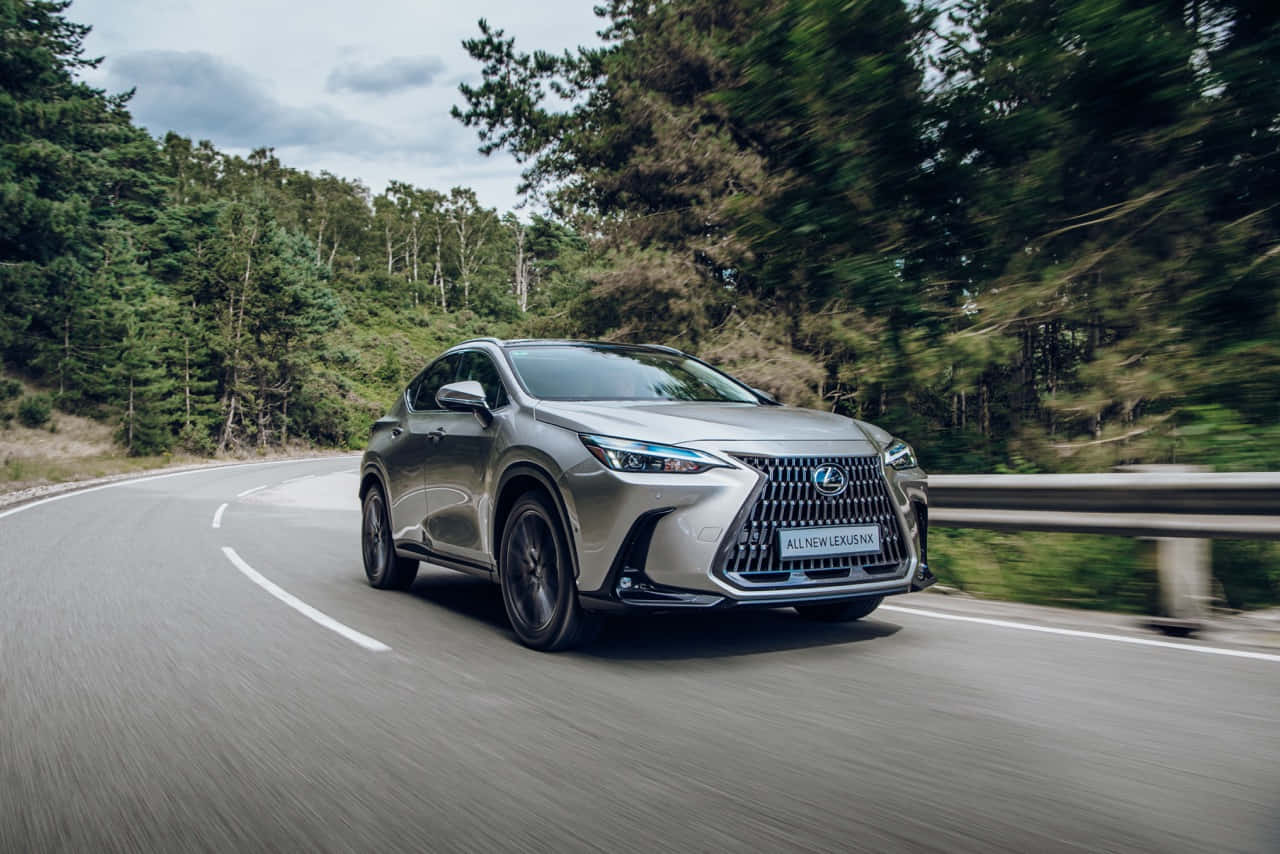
column 465, row 396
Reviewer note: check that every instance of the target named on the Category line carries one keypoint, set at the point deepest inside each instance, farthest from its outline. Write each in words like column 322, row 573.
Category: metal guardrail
column 1181, row 507
column 1199, row 505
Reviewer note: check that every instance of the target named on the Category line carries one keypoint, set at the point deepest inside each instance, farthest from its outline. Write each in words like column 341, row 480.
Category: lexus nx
column 591, row 478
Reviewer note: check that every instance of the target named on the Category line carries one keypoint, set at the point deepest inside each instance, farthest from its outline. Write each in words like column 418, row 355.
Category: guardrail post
column 1183, row 565
column 1184, row 569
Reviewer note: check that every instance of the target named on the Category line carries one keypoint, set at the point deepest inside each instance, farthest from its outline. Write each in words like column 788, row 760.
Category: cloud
column 394, row 75
column 205, row 97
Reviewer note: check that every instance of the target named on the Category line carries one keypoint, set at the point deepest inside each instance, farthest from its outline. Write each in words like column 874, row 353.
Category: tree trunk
column 986, row 408
column 522, row 269
column 263, row 414
column 414, row 237
column 186, row 379
column 437, row 274
column 66, row 354
column 129, row 419
column 227, row 438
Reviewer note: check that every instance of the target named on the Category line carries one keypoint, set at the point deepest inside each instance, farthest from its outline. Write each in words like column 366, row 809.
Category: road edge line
column 85, row 491
column 1078, row 633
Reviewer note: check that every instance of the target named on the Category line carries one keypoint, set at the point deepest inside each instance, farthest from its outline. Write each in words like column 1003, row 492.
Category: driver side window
column 422, row 392
column 479, row 367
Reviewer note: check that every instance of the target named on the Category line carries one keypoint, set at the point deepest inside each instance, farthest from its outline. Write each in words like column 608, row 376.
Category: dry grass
column 69, row 448
column 70, row 436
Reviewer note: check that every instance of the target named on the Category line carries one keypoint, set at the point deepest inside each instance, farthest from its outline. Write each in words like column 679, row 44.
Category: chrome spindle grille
column 790, row 500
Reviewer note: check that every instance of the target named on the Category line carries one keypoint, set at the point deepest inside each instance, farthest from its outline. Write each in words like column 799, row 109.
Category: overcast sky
column 361, row 89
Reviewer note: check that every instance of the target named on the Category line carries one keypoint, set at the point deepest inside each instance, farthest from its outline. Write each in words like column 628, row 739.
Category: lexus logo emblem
column 829, row 480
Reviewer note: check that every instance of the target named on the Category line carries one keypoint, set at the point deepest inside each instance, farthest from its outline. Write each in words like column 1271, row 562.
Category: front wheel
column 536, row 575
column 840, row 612
column 385, row 569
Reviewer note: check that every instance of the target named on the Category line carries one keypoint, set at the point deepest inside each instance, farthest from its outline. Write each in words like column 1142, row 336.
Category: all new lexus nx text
column 587, row 478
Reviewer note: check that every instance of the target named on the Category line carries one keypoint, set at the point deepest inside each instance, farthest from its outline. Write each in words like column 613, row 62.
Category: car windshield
column 605, row 372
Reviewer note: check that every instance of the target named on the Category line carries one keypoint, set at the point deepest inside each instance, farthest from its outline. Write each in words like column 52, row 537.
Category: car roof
column 566, row 342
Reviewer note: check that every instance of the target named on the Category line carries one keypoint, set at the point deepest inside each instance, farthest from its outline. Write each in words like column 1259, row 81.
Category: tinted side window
column 479, row 367
column 411, row 391
column 423, row 397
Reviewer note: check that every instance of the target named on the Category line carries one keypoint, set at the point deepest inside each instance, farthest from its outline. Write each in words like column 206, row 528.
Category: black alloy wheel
column 840, row 612
column 536, row 574
column 386, row 570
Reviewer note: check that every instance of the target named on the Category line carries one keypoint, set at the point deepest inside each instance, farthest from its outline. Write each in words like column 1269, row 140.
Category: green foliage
column 1075, row 570
column 208, row 301
column 1249, row 572
column 1085, row 571
column 9, row 389
column 34, row 410
column 389, row 372
column 1037, row 230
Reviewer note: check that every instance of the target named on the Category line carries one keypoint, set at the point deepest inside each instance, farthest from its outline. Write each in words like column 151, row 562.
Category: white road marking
column 250, row 491
column 298, row 478
column 1076, row 633
column 130, row 481
column 217, row 517
column 302, row 607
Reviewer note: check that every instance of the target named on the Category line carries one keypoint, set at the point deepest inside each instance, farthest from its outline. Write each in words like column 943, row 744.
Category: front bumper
column 661, row 542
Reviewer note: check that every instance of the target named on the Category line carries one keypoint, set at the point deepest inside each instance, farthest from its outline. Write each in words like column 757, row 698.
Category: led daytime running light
column 645, row 457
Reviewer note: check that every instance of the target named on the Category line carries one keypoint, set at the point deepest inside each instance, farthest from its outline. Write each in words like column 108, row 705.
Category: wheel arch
column 369, row 478
column 518, row 479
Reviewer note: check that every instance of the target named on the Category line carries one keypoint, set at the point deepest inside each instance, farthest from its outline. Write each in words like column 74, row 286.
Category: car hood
column 679, row 422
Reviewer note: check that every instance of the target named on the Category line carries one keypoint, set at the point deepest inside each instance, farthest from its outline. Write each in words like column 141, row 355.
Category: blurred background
column 1032, row 236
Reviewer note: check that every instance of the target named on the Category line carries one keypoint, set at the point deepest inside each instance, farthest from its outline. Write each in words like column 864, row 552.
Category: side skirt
column 408, row 548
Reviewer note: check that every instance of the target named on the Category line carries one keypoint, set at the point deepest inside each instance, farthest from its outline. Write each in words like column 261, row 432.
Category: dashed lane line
column 217, row 516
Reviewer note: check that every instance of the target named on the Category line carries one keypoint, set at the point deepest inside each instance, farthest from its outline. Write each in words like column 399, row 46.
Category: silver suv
column 589, row 478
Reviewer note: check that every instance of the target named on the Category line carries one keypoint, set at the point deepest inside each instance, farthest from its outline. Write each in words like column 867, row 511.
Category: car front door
column 458, row 469
column 411, row 446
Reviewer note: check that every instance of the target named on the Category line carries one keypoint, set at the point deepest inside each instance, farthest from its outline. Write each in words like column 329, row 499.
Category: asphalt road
column 154, row 696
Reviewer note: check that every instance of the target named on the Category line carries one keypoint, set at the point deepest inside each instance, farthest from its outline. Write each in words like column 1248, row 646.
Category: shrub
column 35, row 409
column 389, row 371
column 9, row 389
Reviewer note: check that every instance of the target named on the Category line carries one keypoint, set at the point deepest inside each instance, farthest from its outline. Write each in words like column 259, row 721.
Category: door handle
column 396, row 431
column 436, row 435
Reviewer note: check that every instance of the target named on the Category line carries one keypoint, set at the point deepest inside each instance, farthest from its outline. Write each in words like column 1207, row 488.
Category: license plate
column 828, row 542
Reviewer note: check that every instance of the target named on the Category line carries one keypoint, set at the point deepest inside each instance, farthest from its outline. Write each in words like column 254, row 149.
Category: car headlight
column 630, row 456
column 900, row 456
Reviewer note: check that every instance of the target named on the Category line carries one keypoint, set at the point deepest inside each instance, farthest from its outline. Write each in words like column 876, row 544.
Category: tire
column 385, row 569
column 536, row 574
column 840, row 612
